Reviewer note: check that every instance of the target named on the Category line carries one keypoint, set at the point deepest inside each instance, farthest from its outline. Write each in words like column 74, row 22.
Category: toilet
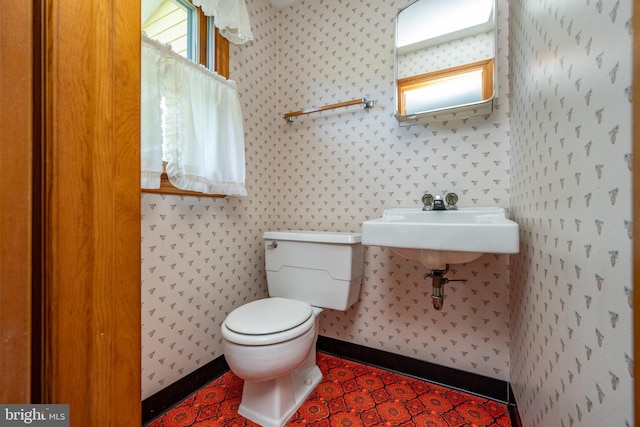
column 271, row 343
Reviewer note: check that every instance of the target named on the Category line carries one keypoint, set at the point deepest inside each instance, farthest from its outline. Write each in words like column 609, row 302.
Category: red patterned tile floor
column 350, row 394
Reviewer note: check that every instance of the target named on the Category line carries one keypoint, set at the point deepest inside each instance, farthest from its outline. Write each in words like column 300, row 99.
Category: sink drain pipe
column 437, row 285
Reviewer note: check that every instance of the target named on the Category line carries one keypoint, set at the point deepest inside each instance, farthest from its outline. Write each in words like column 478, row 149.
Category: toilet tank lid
column 314, row 236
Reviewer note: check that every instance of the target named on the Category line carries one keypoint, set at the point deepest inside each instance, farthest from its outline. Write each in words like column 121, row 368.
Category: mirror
column 445, row 59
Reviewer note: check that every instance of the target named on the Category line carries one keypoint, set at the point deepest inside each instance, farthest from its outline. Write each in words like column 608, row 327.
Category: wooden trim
column 16, row 109
column 422, row 80
column 202, row 36
column 222, row 55
column 166, row 187
column 92, row 226
column 38, row 200
column 487, row 80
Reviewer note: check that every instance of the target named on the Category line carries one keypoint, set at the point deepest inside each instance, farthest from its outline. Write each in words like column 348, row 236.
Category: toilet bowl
column 279, row 368
column 271, row 343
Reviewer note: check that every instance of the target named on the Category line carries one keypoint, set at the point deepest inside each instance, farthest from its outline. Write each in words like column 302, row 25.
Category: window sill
column 167, row 188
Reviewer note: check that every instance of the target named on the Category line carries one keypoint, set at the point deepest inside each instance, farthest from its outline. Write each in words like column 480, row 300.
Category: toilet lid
column 268, row 316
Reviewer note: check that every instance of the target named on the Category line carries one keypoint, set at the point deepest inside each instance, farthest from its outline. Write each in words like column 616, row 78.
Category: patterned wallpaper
column 342, row 167
column 330, row 171
column 469, row 49
column 203, row 257
column 571, row 194
column 544, row 322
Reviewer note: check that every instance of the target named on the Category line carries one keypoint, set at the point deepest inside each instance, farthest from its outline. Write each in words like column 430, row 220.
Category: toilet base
column 272, row 403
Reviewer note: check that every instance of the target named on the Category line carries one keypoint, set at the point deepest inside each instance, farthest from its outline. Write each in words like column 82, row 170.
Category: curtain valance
column 230, row 16
column 192, row 115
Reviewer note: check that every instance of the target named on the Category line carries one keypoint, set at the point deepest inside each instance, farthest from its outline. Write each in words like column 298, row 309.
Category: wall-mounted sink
column 438, row 238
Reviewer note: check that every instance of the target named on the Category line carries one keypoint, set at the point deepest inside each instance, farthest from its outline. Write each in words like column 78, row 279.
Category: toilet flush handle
column 273, row 245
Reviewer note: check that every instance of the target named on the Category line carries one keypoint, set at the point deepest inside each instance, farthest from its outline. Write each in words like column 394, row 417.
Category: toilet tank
column 321, row 268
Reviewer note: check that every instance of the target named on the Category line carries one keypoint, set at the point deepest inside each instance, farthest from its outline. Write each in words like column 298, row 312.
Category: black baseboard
column 480, row 385
column 155, row 405
column 453, row 378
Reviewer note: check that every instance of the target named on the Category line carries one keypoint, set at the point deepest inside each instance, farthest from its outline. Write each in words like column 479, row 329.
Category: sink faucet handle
column 451, row 199
column 427, row 201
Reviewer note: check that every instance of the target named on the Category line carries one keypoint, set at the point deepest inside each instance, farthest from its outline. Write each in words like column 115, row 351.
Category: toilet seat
column 268, row 321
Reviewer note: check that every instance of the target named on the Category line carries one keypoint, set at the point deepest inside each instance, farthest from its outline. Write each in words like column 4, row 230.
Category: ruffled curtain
column 230, row 16
column 151, row 116
column 201, row 125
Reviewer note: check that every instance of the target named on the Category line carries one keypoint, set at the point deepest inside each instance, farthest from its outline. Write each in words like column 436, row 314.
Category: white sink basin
column 438, row 238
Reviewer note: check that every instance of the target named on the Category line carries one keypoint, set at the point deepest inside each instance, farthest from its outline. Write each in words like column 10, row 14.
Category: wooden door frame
column 16, row 64
column 70, row 246
column 92, row 210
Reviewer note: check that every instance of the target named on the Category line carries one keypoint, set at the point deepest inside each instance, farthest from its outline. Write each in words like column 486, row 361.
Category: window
column 191, row 34
column 174, row 22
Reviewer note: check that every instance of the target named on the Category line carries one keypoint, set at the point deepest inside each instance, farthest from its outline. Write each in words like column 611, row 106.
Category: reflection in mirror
column 445, row 53
column 463, row 85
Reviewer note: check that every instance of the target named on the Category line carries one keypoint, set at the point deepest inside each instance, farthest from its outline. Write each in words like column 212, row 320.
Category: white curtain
column 201, row 125
column 151, row 117
column 230, row 16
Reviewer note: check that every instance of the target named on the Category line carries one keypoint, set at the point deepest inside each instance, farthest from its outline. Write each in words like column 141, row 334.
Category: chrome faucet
column 431, row 203
column 438, row 204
